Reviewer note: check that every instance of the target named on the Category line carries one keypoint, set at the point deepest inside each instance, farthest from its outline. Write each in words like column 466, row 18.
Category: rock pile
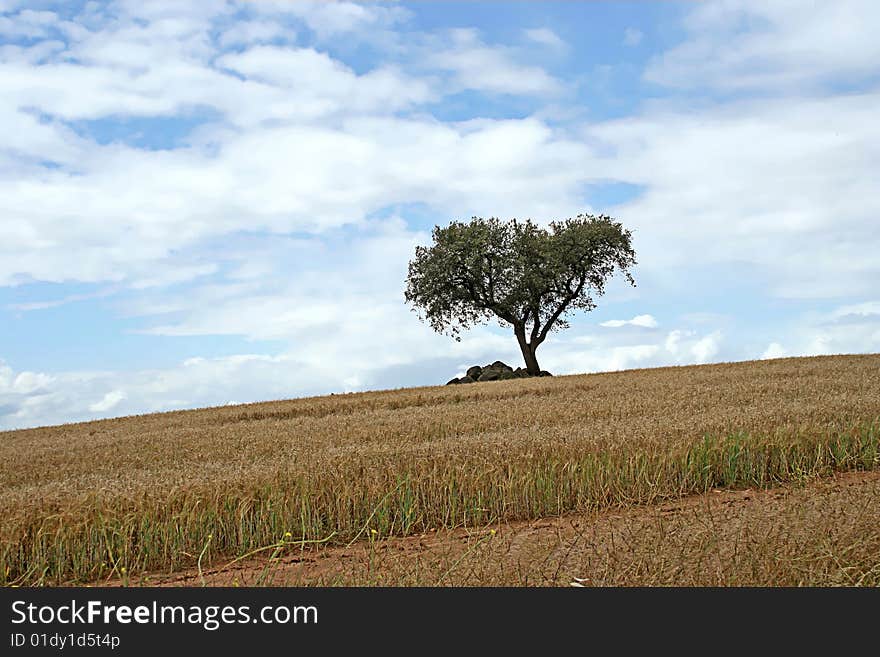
column 497, row 371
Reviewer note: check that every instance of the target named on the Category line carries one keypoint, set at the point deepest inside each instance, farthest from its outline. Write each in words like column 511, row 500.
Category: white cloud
column 616, row 351
column 779, row 185
column 644, row 321
column 97, row 225
column 297, row 142
column 492, row 69
column 71, row 298
column 759, row 185
column 256, row 31
column 673, row 340
column 108, row 402
column 774, row 350
column 201, row 382
column 319, row 364
column 776, row 46
column 776, row 192
column 336, row 18
column 685, row 347
column 632, row 36
column 857, row 311
column 819, row 345
column 706, row 348
column 29, row 24
column 851, row 328
column 560, row 360
column 546, row 37
column 324, row 85
column 23, row 383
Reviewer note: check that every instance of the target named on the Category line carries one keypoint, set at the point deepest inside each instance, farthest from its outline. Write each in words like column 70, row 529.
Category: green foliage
column 525, row 276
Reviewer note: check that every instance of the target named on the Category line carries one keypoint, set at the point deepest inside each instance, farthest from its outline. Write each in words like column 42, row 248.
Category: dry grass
column 819, row 533
column 81, row 502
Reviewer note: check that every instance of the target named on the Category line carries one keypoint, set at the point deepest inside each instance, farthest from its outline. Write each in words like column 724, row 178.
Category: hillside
column 83, row 501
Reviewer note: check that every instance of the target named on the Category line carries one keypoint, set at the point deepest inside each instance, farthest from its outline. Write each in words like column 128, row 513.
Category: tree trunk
column 528, row 352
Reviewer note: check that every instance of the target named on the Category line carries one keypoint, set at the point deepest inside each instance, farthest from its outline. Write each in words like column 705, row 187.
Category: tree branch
column 536, row 327
column 561, row 309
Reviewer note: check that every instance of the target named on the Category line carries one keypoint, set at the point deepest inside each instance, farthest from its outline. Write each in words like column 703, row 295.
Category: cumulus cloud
column 706, row 347
column 96, row 225
column 774, row 350
column 332, row 363
column 772, row 46
column 23, row 383
column 644, row 321
column 686, row 347
column 339, row 363
column 546, row 37
column 775, row 179
column 322, row 84
column 280, row 213
column 334, row 19
column 494, row 69
column 858, row 312
column 850, row 328
column 79, row 396
column 844, row 329
column 256, row 32
column 610, row 352
column 288, row 139
column 108, row 401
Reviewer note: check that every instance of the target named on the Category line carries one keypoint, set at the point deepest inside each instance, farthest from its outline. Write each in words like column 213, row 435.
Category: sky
column 215, row 202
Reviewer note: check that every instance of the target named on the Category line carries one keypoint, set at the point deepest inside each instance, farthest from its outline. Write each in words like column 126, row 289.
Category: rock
column 497, row 371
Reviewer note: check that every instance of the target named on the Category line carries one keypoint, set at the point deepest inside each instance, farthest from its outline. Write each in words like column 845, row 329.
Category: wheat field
column 165, row 492
column 822, row 531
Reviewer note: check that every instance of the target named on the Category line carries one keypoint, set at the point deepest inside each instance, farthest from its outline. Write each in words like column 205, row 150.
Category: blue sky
column 215, row 202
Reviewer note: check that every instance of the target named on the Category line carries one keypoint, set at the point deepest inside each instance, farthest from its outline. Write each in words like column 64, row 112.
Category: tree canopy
column 525, row 276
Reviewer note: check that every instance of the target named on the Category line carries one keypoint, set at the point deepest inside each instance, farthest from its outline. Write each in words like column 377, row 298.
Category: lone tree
column 525, row 276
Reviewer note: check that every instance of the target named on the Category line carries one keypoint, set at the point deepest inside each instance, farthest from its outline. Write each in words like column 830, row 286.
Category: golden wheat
column 80, row 502
column 824, row 532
